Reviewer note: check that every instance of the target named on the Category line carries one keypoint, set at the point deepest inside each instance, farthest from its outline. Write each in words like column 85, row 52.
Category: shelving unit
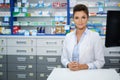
column 97, row 13
column 50, row 17
column 39, row 16
column 5, row 17
column 37, row 13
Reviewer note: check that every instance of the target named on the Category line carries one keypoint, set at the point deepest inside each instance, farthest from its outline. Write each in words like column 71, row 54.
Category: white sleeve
column 64, row 56
column 99, row 54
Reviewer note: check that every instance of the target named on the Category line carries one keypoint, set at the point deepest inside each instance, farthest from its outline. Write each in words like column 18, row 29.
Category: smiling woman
column 80, row 16
column 80, row 19
column 82, row 48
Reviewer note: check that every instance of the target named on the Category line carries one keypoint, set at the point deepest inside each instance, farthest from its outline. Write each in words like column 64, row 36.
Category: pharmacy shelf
column 15, row 20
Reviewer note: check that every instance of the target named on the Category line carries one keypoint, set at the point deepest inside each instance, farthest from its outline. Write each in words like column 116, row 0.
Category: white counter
column 96, row 74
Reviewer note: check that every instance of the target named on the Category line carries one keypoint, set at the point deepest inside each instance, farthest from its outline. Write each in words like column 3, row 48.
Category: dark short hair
column 80, row 7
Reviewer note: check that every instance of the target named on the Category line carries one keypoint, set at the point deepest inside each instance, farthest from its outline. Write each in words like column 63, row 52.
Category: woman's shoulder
column 70, row 34
column 93, row 33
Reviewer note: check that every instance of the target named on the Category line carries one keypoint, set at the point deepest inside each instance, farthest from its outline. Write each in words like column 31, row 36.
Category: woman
column 82, row 48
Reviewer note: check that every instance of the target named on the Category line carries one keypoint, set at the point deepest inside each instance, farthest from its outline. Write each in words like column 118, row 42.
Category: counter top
column 96, row 74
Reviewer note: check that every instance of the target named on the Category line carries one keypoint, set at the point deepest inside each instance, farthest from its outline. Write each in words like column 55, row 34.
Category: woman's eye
column 83, row 17
column 76, row 17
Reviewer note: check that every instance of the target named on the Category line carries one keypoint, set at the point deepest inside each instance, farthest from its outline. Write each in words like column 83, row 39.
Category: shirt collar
column 84, row 33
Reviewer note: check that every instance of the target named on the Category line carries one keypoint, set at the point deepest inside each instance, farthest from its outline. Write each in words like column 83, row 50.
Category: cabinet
column 45, row 64
column 21, row 46
column 3, row 67
column 112, row 58
column 17, row 61
column 49, row 50
column 3, row 59
column 49, row 46
column 21, row 58
column 3, row 46
column 113, row 62
column 21, row 67
column 29, row 57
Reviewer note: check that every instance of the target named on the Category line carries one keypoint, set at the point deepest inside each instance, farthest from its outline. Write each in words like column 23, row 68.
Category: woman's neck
column 79, row 33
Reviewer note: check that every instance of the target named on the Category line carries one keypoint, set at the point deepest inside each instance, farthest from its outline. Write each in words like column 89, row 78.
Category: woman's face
column 80, row 19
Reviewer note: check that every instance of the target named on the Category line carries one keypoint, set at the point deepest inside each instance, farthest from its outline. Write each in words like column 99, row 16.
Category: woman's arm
column 98, row 53
column 64, row 56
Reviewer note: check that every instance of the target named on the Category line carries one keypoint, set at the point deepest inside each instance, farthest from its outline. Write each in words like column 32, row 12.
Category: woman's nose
column 80, row 20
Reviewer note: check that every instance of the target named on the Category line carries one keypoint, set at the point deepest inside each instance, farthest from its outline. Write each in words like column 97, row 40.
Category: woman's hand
column 74, row 66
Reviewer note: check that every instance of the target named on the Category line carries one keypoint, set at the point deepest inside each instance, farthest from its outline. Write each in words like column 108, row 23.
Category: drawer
column 2, row 50
column 47, row 68
column 22, row 50
column 21, row 59
column 22, row 67
column 43, row 75
column 3, row 75
column 2, row 67
column 48, row 60
column 2, row 58
column 117, row 68
column 3, row 42
column 112, row 61
column 21, row 42
column 50, row 42
column 49, row 50
column 21, row 75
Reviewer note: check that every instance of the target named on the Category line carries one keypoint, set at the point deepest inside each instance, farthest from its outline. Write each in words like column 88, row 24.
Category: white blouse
column 91, row 49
